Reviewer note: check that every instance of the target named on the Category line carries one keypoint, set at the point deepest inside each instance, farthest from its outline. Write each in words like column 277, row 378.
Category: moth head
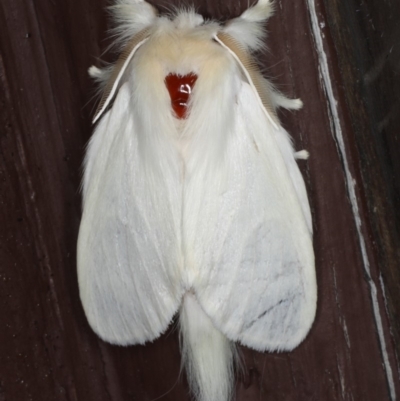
column 137, row 20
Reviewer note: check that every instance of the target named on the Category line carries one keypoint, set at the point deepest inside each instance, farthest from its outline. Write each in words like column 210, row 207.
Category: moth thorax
column 180, row 88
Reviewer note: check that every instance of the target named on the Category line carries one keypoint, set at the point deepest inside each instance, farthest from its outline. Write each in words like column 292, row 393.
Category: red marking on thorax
column 180, row 87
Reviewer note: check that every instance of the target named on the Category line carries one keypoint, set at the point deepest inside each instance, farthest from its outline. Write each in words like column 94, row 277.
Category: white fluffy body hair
column 130, row 17
column 208, row 356
column 249, row 28
column 183, row 44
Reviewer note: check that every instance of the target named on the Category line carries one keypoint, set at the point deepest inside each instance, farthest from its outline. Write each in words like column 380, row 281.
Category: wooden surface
column 349, row 124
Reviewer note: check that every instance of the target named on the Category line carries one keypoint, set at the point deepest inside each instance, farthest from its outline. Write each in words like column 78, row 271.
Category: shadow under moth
column 192, row 198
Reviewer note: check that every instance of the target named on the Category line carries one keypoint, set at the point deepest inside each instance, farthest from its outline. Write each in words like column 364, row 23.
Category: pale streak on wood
column 350, row 183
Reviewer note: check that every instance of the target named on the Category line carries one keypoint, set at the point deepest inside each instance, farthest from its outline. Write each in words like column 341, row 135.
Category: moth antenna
column 252, row 73
column 118, row 71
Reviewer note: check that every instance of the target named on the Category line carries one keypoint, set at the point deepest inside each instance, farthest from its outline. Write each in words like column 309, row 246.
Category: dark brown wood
column 366, row 42
column 47, row 349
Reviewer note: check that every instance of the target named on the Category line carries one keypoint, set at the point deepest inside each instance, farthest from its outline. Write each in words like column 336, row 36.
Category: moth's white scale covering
column 207, row 216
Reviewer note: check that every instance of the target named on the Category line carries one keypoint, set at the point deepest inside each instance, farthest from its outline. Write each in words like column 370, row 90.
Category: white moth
column 206, row 215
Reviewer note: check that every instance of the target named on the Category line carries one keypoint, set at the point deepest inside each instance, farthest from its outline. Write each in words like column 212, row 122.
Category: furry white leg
column 207, row 354
column 302, row 154
column 95, row 72
column 282, row 101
